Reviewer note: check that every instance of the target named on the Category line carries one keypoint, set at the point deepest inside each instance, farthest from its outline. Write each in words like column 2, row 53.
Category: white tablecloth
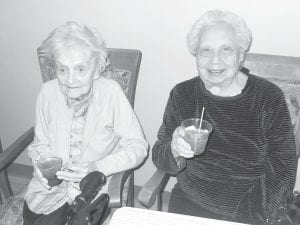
column 136, row 216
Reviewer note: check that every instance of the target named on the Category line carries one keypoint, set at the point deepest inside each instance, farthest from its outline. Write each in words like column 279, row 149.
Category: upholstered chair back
column 284, row 71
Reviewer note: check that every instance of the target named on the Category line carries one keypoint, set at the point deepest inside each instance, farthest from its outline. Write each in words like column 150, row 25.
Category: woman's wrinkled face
column 218, row 57
column 75, row 70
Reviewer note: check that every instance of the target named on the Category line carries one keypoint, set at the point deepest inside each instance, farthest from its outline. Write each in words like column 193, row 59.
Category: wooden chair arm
column 16, row 148
column 152, row 188
column 115, row 188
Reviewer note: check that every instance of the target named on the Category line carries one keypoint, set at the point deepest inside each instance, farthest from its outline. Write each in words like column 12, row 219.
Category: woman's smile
column 216, row 72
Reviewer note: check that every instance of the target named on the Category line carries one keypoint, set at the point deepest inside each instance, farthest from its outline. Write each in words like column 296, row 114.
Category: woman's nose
column 71, row 78
column 216, row 58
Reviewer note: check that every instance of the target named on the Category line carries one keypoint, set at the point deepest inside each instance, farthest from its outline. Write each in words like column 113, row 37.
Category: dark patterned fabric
column 250, row 161
column 11, row 210
column 121, row 76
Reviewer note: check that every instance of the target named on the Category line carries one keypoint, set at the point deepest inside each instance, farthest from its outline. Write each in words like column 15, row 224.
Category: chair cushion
column 12, row 209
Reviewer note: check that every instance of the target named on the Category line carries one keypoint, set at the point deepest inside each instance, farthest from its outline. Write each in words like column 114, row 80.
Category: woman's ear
column 98, row 71
column 242, row 56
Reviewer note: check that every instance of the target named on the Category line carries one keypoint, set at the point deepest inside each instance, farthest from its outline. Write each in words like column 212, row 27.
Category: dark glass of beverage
column 48, row 167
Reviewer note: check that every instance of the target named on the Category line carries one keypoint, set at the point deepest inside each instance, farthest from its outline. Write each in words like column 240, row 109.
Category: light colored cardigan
column 109, row 116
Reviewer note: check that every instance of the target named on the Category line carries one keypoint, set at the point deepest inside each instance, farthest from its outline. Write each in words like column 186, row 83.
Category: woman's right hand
column 179, row 146
column 41, row 179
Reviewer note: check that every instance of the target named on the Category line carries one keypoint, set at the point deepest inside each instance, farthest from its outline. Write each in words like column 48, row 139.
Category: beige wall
column 157, row 27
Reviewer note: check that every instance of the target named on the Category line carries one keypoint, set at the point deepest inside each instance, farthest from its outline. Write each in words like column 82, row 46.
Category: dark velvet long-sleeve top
column 250, row 161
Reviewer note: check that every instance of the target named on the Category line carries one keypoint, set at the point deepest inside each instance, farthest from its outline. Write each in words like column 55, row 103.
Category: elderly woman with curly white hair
column 250, row 162
column 81, row 117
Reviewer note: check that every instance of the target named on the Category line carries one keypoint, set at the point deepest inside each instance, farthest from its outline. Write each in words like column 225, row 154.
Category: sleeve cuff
column 177, row 164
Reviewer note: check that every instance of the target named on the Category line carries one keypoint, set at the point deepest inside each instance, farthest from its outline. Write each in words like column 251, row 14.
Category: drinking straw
column 203, row 108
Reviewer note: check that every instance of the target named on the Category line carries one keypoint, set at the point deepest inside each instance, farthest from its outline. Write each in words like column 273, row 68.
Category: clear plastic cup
column 48, row 167
column 197, row 137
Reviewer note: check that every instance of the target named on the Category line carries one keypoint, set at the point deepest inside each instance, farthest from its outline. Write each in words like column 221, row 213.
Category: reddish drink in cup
column 48, row 167
column 197, row 137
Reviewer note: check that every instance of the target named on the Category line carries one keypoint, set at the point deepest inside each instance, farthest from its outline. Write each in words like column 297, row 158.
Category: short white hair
column 73, row 33
column 212, row 17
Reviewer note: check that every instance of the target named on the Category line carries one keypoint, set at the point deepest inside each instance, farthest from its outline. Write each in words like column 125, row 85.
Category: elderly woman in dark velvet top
column 250, row 162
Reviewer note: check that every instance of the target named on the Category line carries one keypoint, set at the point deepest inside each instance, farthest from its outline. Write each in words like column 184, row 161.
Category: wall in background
column 158, row 28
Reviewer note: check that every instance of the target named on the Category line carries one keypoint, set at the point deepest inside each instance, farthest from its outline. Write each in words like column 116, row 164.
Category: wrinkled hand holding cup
column 48, row 167
column 194, row 135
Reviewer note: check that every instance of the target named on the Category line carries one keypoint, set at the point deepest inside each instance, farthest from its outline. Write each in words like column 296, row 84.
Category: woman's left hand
column 74, row 173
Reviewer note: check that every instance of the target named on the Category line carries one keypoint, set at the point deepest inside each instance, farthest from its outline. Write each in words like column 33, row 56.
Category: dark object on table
column 83, row 210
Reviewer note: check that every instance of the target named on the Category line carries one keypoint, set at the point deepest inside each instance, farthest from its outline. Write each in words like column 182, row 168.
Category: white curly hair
column 212, row 17
column 73, row 33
